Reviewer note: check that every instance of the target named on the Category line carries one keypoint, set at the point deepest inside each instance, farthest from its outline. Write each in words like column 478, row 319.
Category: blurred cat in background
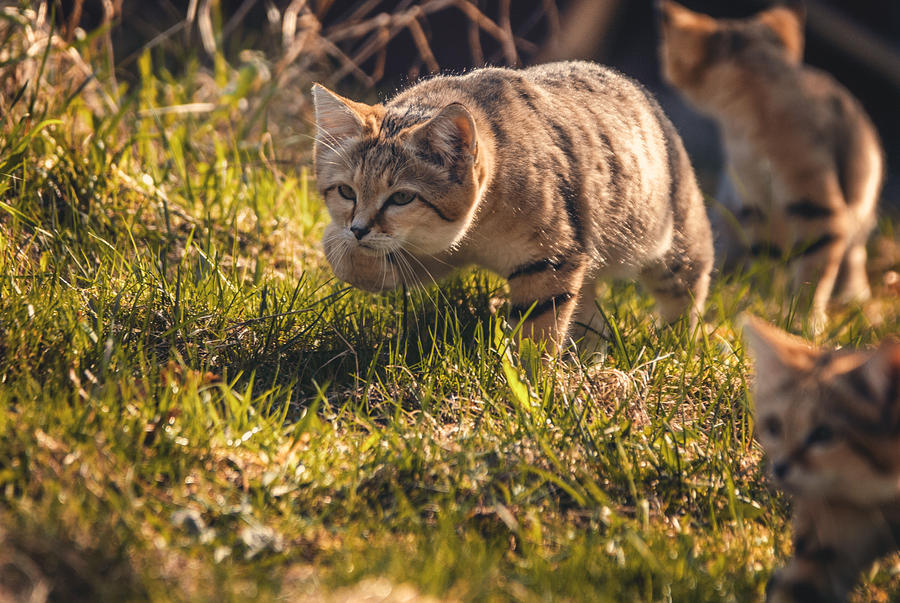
column 802, row 156
column 829, row 422
column 553, row 177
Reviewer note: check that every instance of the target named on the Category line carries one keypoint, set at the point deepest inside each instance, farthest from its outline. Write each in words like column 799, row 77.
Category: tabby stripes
column 542, row 307
column 822, row 242
column 536, row 267
column 806, row 209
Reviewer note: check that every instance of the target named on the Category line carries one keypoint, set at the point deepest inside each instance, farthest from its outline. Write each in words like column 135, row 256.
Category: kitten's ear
column 787, row 22
column 337, row 118
column 775, row 351
column 677, row 17
column 877, row 379
column 449, row 135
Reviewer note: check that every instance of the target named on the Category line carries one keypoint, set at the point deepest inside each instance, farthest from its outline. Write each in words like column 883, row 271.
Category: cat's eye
column 820, row 435
column 401, row 198
column 772, row 427
column 347, row 192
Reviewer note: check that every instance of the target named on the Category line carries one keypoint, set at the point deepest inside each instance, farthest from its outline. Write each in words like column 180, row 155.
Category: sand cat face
column 700, row 54
column 829, row 420
column 394, row 185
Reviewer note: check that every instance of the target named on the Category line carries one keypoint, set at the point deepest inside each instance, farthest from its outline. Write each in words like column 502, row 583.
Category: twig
column 508, row 42
column 475, row 44
column 189, row 18
column 311, row 28
column 337, row 53
column 380, row 60
column 471, row 11
column 205, row 25
column 363, row 9
column 421, row 41
column 74, row 20
column 110, row 11
column 155, row 41
column 553, row 24
column 289, row 21
column 237, row 17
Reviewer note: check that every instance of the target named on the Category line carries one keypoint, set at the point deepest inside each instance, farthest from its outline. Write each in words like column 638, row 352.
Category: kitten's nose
column 359, row 231
column 780, row 469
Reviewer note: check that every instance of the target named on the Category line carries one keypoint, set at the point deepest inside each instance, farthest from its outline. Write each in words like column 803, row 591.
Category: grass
column 196, row 410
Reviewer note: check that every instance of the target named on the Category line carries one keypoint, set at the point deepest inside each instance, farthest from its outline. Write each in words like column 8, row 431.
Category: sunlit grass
column 196, row 409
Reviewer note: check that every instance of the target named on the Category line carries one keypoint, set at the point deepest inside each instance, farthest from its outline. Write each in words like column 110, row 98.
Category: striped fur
column 804, row 164
column 553, row 177
column 829, row 421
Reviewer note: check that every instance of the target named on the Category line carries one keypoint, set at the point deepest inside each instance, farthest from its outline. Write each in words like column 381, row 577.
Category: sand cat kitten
column 553, row 177
column 802, row 155
column 829, row 421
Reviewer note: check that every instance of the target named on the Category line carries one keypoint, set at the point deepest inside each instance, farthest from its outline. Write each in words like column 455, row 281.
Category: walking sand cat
column 553, row 177
column 829, row 421
column 801, row 153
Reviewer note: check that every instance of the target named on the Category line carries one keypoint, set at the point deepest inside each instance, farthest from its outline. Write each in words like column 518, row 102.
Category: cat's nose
column 780, row 469
column 359, row 231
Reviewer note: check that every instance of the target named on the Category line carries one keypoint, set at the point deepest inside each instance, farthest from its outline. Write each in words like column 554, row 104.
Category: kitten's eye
column 820, row 435
column 401, row 198
column 772, row 427
column 347, row 192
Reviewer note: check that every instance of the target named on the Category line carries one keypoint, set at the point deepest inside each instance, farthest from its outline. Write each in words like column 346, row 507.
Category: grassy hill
column 194, row 409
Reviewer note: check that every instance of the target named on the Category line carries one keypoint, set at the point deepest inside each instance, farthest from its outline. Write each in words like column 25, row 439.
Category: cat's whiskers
column 420, row 295
column 429, row 255
column 422, row 292
column 333, row 145
column 384, row 267
column 342, row 247
column 404, row 256
column 406, row 277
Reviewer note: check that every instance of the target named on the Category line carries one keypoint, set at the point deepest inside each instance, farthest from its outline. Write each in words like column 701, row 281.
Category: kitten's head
column 396, row 181
column 829, row 420
column 700, row 55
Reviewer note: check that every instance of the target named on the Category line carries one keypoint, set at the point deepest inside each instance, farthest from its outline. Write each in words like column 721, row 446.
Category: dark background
column 628, row 42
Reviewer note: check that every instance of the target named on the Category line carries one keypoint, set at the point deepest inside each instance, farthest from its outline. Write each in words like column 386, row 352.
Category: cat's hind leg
column 819, row 246
column 853, row 281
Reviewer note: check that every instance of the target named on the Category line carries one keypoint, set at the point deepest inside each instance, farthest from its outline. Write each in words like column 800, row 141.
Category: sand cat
column 801, row 154
column 553, row 177
column 829, row 421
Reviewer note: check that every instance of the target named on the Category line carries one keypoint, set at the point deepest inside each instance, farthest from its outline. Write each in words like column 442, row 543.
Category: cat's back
column 831, row 107
column 511, row 99
column 823, row 121
column 584, row 81
column 559, row 119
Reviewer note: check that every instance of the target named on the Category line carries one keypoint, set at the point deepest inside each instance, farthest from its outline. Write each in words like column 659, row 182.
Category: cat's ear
column 774, row 351
column 674, row 16
column 450, row 135
column 787, row 22
column 337, row 118
column 877, row 380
